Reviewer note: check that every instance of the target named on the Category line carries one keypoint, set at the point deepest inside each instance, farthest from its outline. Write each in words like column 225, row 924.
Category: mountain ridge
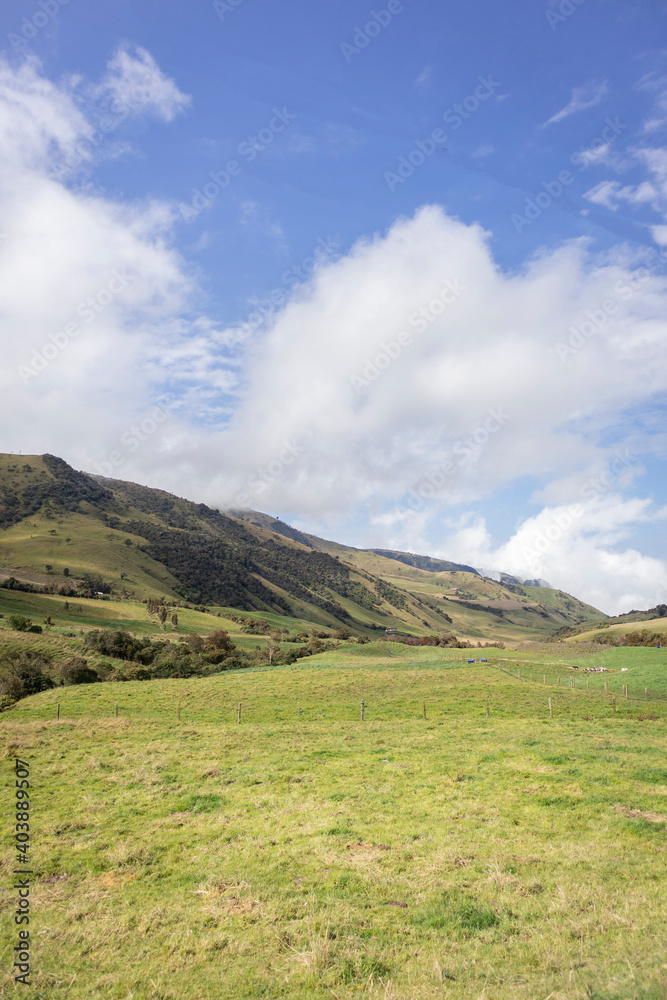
column 146, row 542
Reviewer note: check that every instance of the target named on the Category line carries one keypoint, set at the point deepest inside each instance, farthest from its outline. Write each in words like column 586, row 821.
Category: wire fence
column 636, row 695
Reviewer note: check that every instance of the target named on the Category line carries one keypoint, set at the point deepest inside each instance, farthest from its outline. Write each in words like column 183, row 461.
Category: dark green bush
column 75, row 670
column 24, row 674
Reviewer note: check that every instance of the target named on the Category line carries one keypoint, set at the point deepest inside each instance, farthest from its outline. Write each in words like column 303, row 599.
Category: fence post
column 645, row 694
column 545, row 680
column 551, row 711
column 298, row 709
column 239, row 713
column 613, row 701
column 363, row 711
column 424, row 709
column 179, row 711
column 487, row 707
column 606, row 687
column 58, row 710
column 116, row 709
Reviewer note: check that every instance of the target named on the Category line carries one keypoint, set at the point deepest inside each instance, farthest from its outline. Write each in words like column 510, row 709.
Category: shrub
column 75, row 670
column 217, row 646
column 91, row 585
column 121, row 645
column 23, row 675
column 22, row 624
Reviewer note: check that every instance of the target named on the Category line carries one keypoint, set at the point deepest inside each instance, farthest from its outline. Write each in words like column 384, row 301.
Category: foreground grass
column 315, row 855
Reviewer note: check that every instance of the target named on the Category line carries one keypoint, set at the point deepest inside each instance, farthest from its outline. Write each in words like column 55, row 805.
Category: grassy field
column 651, row 624
column 305, row 853
column 71, row 617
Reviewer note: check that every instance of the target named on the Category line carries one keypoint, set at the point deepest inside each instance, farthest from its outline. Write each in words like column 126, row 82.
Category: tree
column 22, row 624
column 271, row 649
column 217, row 646
column 91, row 584
column 24, row 675
column 174, row 620
column 75, row 670
column 49, row 568
column 66, row 571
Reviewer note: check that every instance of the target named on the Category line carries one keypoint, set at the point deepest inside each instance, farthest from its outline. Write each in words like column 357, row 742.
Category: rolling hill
column 59, row 528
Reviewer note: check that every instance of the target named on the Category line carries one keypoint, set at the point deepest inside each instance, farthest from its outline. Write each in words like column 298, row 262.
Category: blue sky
column 514, row 151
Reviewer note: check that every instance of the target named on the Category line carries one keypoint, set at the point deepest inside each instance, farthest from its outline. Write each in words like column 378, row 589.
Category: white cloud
column 283, row 407
column 651, row 160
column 582, row 99
column 37, row 119
column 63, row 248
column 600, row 154
column 656, row 85
column 135, row 81
column 424, row 78
column 579, row 554
column 610, row 193
column 483, row 151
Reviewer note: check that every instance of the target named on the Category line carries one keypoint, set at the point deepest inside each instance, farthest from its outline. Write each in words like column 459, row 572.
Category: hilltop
column 64, row 529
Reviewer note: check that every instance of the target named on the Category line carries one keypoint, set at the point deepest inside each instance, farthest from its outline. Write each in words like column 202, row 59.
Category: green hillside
column 65, row 530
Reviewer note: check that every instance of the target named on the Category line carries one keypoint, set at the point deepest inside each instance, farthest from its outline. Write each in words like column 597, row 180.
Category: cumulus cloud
column 90, row 286
column 576, row 548
column 411, row 359
column 384, row 379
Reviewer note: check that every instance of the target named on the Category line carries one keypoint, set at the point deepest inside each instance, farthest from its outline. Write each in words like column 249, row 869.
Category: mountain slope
column 61, row 524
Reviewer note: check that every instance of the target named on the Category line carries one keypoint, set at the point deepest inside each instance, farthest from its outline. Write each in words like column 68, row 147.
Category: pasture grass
column 314, row 855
